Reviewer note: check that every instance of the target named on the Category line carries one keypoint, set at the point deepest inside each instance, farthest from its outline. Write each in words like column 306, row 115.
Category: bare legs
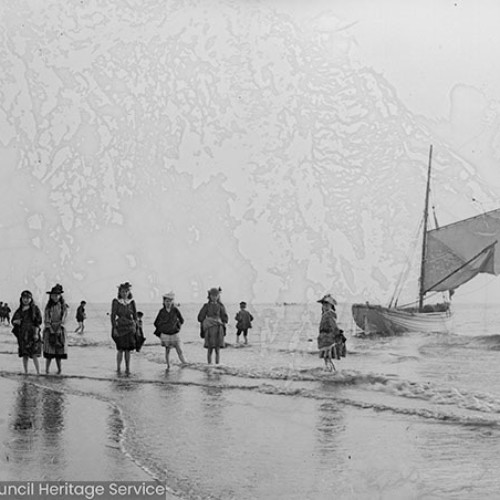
column 167, row 352
column 217, row 355
column 80, row 327
column 47, row 365
column 35, row 362
column 329, row 366
column 119, row 358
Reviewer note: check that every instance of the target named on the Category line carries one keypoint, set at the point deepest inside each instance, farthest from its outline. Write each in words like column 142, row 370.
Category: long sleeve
column 16, row 316
column 114, row 304
column 158, row 317
column 46, row 317
column 179, row 315
column 134, row 310
column 223, row 314
column 37, row 316
column 203, row 313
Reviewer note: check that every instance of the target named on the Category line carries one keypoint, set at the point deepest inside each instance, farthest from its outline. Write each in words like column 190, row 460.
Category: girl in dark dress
column 213, row 318
column 26, row 321
column 54, row 333
column 124, row 325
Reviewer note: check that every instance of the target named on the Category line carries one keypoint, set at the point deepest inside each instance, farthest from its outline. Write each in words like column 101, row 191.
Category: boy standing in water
column 80, row 316
column 243, row 322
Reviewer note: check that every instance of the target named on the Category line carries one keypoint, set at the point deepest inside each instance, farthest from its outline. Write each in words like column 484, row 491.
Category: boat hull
column 392, row 321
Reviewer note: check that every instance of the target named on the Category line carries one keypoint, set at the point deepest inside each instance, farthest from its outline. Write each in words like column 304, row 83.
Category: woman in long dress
column 26, row 321
column 213, row 318
column 54, row 333
column 124, row 325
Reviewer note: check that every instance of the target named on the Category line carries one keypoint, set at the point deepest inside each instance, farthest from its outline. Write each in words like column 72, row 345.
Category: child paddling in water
column 331, row 340
column 243, row 322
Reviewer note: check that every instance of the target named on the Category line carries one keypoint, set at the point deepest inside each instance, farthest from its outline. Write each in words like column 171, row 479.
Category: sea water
column 412, row 416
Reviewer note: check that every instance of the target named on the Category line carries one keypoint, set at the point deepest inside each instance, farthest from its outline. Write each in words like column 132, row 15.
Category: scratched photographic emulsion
column 249, row 249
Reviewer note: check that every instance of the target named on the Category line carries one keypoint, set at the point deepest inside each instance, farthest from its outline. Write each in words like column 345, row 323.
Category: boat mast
column 421, row 292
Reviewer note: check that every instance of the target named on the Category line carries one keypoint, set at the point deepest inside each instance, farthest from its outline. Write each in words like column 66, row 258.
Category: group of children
column 127, row 327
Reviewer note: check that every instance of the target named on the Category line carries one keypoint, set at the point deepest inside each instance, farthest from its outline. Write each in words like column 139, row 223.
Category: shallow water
column 415, row 416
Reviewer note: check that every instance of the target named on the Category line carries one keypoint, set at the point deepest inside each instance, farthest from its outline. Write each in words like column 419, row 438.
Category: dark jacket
column 243, row 319
column 213, row 310
column 168, row 322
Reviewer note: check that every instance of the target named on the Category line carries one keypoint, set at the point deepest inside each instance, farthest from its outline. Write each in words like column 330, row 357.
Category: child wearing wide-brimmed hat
column 330, row 338
column 54, row 332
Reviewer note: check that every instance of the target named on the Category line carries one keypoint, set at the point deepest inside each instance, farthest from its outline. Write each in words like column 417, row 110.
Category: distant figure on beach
column 213, row 318
column 6, row 313
column 27, row 320
column 124, row 325
column 168, row 324
column 139, row 337
column 243, row 322
column 331, row 341
column 80, row 316
column 54, row 334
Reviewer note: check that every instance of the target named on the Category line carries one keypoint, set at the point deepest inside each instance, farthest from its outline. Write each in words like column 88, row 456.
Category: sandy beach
column 268, row 423
column 50, row 435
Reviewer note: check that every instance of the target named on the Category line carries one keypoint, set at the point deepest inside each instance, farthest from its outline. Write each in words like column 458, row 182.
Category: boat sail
column 451, row 256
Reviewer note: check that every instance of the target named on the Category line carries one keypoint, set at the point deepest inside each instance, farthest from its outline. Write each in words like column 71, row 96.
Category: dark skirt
column 54, row 344
column 26, row 343
column 214, row 337
column 124, row 336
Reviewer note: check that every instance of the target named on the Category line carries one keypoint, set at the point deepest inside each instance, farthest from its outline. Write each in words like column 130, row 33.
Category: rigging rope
column 404, row 275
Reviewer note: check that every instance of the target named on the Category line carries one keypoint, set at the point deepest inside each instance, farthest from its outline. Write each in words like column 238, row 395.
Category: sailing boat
column 451, row 256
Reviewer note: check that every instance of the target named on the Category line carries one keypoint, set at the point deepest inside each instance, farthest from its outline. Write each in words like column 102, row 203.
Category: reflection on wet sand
column 213, row 404
column 53, row 411
column 124, row 385
column 24, row 424
column 36, row 426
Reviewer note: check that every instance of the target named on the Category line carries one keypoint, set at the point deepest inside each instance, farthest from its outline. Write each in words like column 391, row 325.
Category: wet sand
column 47, row 434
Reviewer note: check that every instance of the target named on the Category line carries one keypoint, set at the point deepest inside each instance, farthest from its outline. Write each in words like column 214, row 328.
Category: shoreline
column 49, row 434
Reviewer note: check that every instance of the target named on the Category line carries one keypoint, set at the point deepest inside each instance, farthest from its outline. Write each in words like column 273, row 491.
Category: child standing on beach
column 124, row 325
column 330, row 338
column 27, row 320
column 213, row 319
column 80, row 316
column 54, row 334
column 243, row 322
column 168, row 324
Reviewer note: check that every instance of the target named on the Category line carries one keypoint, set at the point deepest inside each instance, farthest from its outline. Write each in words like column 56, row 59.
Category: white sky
column 220, row 187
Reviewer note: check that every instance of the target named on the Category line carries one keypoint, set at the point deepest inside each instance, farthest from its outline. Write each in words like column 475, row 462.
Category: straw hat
column 169, row 296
